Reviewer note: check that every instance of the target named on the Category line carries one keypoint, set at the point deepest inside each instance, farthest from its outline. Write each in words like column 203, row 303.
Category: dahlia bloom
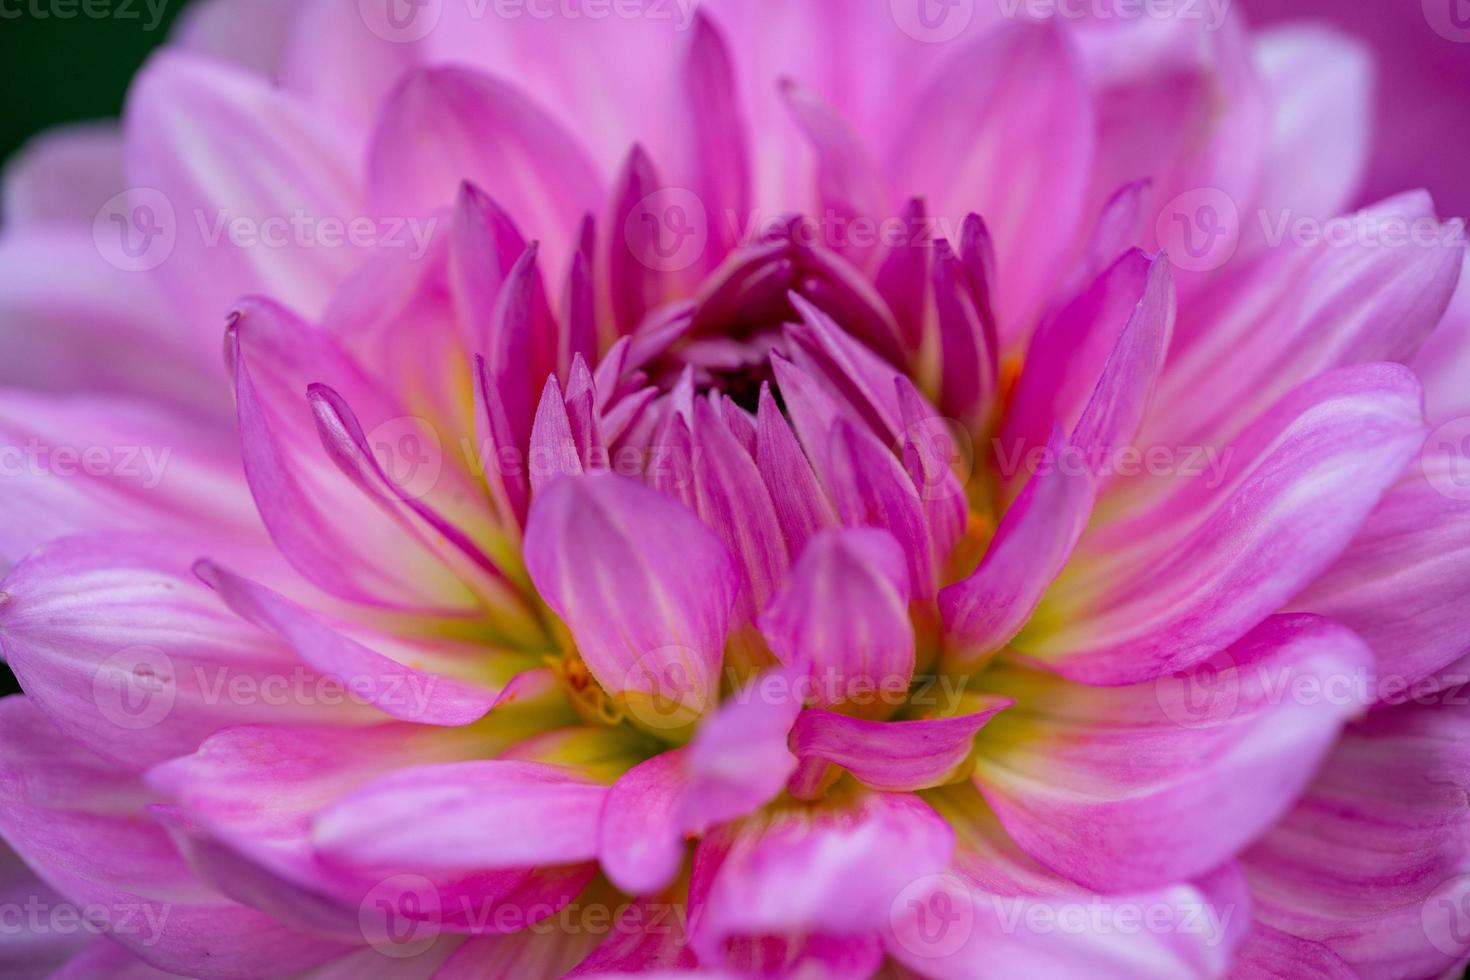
column 775, row 488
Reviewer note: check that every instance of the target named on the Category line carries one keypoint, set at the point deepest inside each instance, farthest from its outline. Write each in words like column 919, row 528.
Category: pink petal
column 1031, row 547
column 129, row 654
column 315, row 514
column 1371, row 862
column 842, row 618
column 645, row 587
column 400, row 691
column 64, row 176
column 489, row 814
column 224, row 147
column 802, row 507
column 82, row 824
column 1155, row 783
column 972, row 131
column 798, row 878
column 443, row 126
column 891, row 755
column 999, row 914
column 1200, row 568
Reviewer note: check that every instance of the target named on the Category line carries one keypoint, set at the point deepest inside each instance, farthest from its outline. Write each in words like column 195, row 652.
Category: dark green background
column 61, row 70
column 58, row 70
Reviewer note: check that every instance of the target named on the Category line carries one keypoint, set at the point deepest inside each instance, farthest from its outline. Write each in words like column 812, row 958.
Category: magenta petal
column 400, row 691
column 802, row 507
column 843, row 617
column 645, row 587
column 1030, row 548
column 799, row 875
column 717, row 134
column 469, row 815
column 553, row 449
column 1139, row 786
column 640, row 833
column 892, row 755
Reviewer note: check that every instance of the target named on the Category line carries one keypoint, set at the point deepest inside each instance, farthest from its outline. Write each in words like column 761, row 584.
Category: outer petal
column 644, row 586
column 82, row 464
column 64, row 175
column 997, row 913
column 82, row 825
column 224, row 147
column 1372, row 862
column 1132, row 787
column 398, row 690
column 133, row 657
column 443, row 126
column 1402, row 584
column 490, row 814
column 1201, row 568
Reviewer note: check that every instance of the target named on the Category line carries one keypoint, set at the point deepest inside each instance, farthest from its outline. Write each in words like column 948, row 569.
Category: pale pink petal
column 490, row 814
column 1132, row 787
column 1195, row 572
column 82, row 824
column 238, row 164
column 64, row 176
column 1372, row 862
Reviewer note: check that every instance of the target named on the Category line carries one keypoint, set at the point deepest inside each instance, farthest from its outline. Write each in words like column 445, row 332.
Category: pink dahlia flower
column 783, row 488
